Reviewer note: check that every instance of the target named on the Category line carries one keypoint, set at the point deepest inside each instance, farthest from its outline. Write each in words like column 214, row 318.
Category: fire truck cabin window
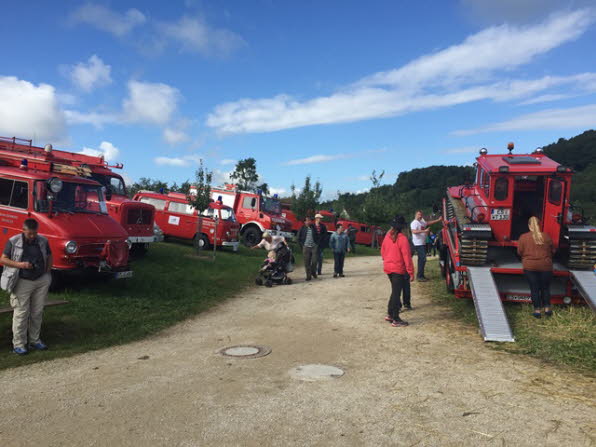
column 555, row 192
column 157, row 203
column 183, row 208
column 249, row 202
column 209, row 212
column 117, row 186
column 13, row 193
column 501, row 188
column 228, row 214
column 485, row 182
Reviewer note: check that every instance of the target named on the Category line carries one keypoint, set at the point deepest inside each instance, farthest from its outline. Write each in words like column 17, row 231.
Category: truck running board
column 489, row 308
column 585, row 281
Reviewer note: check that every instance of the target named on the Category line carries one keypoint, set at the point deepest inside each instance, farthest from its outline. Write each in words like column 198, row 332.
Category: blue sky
column 329, row 89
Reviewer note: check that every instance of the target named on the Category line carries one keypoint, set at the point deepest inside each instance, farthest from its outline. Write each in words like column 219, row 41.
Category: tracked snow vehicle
column 483, row 221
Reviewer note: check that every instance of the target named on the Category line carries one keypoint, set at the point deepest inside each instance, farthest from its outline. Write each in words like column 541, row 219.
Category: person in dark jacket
column 308, row 239
column 323, row 241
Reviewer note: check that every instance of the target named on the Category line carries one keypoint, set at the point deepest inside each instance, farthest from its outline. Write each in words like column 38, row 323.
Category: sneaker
column 335, row 275
column 20, row 351
column 389, row 319
column 548, row 313
column 536, row 315
column 407, row 308
column 308, row 278
column 40, row 346
column 399, row 323
column 341, row 275
column 314, row 275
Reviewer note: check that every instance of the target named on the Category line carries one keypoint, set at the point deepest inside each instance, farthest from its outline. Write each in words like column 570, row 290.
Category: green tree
column 200, row 201
column 306, row 202
column 245, row 174
column 264, row 188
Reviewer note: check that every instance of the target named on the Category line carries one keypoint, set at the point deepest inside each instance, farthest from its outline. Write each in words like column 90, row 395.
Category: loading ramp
column 585, row 281
column 490, row 312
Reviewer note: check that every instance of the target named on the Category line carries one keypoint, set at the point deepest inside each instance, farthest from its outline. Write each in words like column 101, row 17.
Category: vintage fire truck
column 68, row 204
column 136, row 218
column 287, row 213
column 255, row 212
column 483, row 221
column 179, row 220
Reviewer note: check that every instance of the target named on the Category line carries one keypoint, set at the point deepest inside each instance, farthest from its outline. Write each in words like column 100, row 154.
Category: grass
column 566, row 339
column 169, row 286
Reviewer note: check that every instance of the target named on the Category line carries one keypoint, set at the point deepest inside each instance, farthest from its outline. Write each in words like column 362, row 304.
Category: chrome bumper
column 234, row 245
column 142, row 239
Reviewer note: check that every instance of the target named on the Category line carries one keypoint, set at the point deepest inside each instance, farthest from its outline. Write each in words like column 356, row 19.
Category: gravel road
column 431, row 384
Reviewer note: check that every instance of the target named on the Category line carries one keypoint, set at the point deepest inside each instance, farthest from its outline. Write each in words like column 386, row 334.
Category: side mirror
column 253, row 203
column 107, row 192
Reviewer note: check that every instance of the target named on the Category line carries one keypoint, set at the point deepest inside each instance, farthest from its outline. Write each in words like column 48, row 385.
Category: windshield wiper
column 62, row 210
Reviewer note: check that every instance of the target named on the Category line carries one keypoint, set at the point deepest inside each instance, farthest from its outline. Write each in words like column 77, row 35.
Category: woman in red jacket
column 397, row 264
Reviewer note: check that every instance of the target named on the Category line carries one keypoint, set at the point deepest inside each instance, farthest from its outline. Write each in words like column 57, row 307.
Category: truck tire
column 251, row 237
column 201, row 240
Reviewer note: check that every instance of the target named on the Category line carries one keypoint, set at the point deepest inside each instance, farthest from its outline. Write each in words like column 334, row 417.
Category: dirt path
column 426, row 385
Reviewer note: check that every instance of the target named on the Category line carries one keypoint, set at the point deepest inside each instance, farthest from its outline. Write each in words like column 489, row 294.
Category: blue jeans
column 421, row 252
column 320, row 260
column 539, row 287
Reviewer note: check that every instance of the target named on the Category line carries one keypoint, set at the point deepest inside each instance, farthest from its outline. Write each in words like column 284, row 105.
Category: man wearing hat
column 323, row 241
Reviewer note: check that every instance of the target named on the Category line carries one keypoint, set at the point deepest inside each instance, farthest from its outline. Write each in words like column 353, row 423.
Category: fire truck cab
column 483, row 221
column 255, row 212
column 69, row 206
column 179, row 220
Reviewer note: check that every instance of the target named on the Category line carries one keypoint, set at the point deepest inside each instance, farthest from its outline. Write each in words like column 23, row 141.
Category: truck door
column 248, row 209
column 552, row 217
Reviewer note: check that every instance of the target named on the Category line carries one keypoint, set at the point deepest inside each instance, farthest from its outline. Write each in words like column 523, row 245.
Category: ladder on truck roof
column 585, row 281
column 489, row 308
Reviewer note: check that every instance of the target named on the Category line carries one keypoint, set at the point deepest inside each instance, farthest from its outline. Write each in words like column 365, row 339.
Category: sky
column 332, row 89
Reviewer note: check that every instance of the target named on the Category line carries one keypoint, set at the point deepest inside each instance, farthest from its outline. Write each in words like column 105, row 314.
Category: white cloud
column 228, row 161
column 105, row 19
column 449, row 77
column 583, row 117
column 325, row 158
column 181, row 162
column 221, row 177
column 93, row 73
column 196, row 36
column 97, row 120
column 148, row 102
column 278, row 191
column 174, row 136
column 107, row 149
column 30, row 111
column 314, row 159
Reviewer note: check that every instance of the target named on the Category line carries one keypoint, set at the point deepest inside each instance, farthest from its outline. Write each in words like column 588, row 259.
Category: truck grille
column 139, row 216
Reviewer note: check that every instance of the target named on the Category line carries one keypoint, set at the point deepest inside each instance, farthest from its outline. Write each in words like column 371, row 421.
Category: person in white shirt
column 420, row 229
column 270, row 243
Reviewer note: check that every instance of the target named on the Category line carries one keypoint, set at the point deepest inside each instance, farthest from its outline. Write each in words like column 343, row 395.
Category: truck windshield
column 115, row 183
column 73, row 198
column 228, row 214
column 271, row 206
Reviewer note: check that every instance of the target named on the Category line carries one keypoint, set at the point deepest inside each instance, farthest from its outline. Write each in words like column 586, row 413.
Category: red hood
column 82, row 226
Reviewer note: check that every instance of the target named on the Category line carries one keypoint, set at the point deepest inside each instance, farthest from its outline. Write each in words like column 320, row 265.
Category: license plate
column 518, row 298
column 500, row 214
column 122, row 275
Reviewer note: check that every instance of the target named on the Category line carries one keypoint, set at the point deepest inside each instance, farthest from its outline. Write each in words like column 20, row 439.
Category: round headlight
column 567, row 300
column 71, row 247
column 55, row 185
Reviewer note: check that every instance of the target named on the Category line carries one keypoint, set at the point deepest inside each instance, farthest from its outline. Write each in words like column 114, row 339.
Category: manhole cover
column 311, row 373
column 245, row 351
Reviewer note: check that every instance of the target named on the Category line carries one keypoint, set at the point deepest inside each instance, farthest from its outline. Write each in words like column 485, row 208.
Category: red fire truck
column 136, row 218
column 287, row 213
column 483, row 221
column 178, row 219
column 69, row 206
column 255, row 212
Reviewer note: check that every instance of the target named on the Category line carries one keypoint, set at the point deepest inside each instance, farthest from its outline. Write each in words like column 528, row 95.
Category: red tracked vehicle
column 68, row 205
column 482, row 223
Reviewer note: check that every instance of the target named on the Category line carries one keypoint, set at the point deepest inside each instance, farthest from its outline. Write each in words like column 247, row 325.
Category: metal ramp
column 585, row 281
column 489, row 308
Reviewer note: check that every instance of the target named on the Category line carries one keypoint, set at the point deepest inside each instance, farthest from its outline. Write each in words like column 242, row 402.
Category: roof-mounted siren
column 510, row 147
column 483, row 151
column 538, row 150
column 48, row 148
